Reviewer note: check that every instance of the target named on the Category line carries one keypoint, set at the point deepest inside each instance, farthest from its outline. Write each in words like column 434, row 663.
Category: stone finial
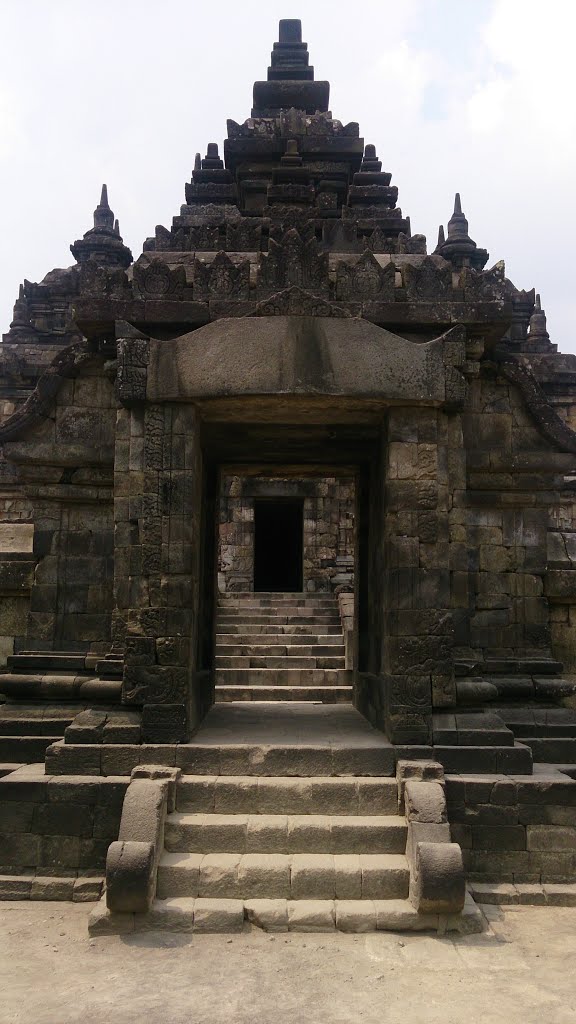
column 538, row 328
column 291, row 157
column 212, row 161
column 197, row 162
column 290, row 31
column 457, row 246
column 103, row 216
column 21, row 314
column 458, row 225
column 103, row 243
column 370, row 161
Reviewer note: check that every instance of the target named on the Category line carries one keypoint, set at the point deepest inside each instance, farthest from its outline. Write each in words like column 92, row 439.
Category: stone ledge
column 278, row 915
column 534, row 895
column 76, row 888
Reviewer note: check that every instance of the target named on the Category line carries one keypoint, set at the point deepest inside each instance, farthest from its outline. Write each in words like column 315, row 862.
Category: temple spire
column 103, row 216
column 290, row 80
column 441, row 236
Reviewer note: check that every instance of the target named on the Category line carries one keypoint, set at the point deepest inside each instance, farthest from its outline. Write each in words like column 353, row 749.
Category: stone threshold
column 524, row 894
column 197, row 915
column 77, row 887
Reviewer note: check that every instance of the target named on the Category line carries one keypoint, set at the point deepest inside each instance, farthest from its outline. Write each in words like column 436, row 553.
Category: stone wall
column 57, row 825
column 514, row 831
column 328, row 538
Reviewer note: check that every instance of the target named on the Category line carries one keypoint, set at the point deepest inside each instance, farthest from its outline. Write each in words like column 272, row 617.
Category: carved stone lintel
column 295, row 301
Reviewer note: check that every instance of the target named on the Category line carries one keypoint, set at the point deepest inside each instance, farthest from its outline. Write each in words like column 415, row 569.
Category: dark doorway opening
column 278, row 550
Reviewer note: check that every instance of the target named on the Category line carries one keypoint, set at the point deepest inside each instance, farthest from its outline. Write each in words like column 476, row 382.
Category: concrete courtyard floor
column 520, row 970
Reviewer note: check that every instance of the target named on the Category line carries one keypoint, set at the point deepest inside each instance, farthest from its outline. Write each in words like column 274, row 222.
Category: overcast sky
column 475, row 96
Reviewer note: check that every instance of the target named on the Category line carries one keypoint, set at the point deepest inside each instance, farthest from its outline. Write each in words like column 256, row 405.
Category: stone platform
column 298, row 739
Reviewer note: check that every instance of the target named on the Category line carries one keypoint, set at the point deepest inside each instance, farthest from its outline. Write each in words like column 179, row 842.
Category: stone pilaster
column 157, row 512
column 418, row 632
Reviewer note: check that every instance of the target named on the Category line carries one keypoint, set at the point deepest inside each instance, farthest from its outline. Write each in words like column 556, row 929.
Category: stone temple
column 288, row 557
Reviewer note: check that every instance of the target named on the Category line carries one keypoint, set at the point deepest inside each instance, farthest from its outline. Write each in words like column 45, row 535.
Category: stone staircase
column 44, row 691
column 286, row 854
column 281, row 647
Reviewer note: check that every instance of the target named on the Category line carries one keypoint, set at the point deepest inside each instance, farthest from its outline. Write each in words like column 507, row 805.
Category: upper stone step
column 274, row 616
column 280, row 643
column 249, row 794
column 282, row 833
column 249, row 629
column 267, row 650
column 276, row 596
column 277, row 661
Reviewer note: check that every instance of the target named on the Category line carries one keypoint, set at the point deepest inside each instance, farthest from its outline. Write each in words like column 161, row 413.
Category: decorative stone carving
column 221, row 278
column 295, row 260
column 159, row 281
column 133, row 356
column 296, row 301
column 365, row 280
column 200, row 238
column 427, row 281
column 245, row 236
column 486, row 285
column 110, row 281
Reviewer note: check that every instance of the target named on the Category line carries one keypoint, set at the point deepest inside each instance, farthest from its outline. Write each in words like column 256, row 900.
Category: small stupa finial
column 197, row 162
column 538, row 332
column 441, row 236
column 103, row 216
column 457, row 204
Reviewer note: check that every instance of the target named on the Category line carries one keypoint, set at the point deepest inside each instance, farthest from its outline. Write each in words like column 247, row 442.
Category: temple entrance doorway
column 278, row 545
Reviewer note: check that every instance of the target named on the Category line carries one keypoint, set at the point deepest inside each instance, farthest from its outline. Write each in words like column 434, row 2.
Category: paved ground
column 51, row 972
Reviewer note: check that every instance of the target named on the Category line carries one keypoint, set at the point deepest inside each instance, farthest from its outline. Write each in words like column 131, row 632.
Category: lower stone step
column 283, row 676
column 283, row 833
column 249, row 794
column 25, row 749
column 36, row 720
column 294, row 876
column 276, row 662
column 516, row 760
column 554, row 750
column 263, row 646
column 258, row 630
column 281, row 915
column 317, row 694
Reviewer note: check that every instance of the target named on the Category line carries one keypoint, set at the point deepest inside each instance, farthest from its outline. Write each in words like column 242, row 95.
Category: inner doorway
column 278, row 545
